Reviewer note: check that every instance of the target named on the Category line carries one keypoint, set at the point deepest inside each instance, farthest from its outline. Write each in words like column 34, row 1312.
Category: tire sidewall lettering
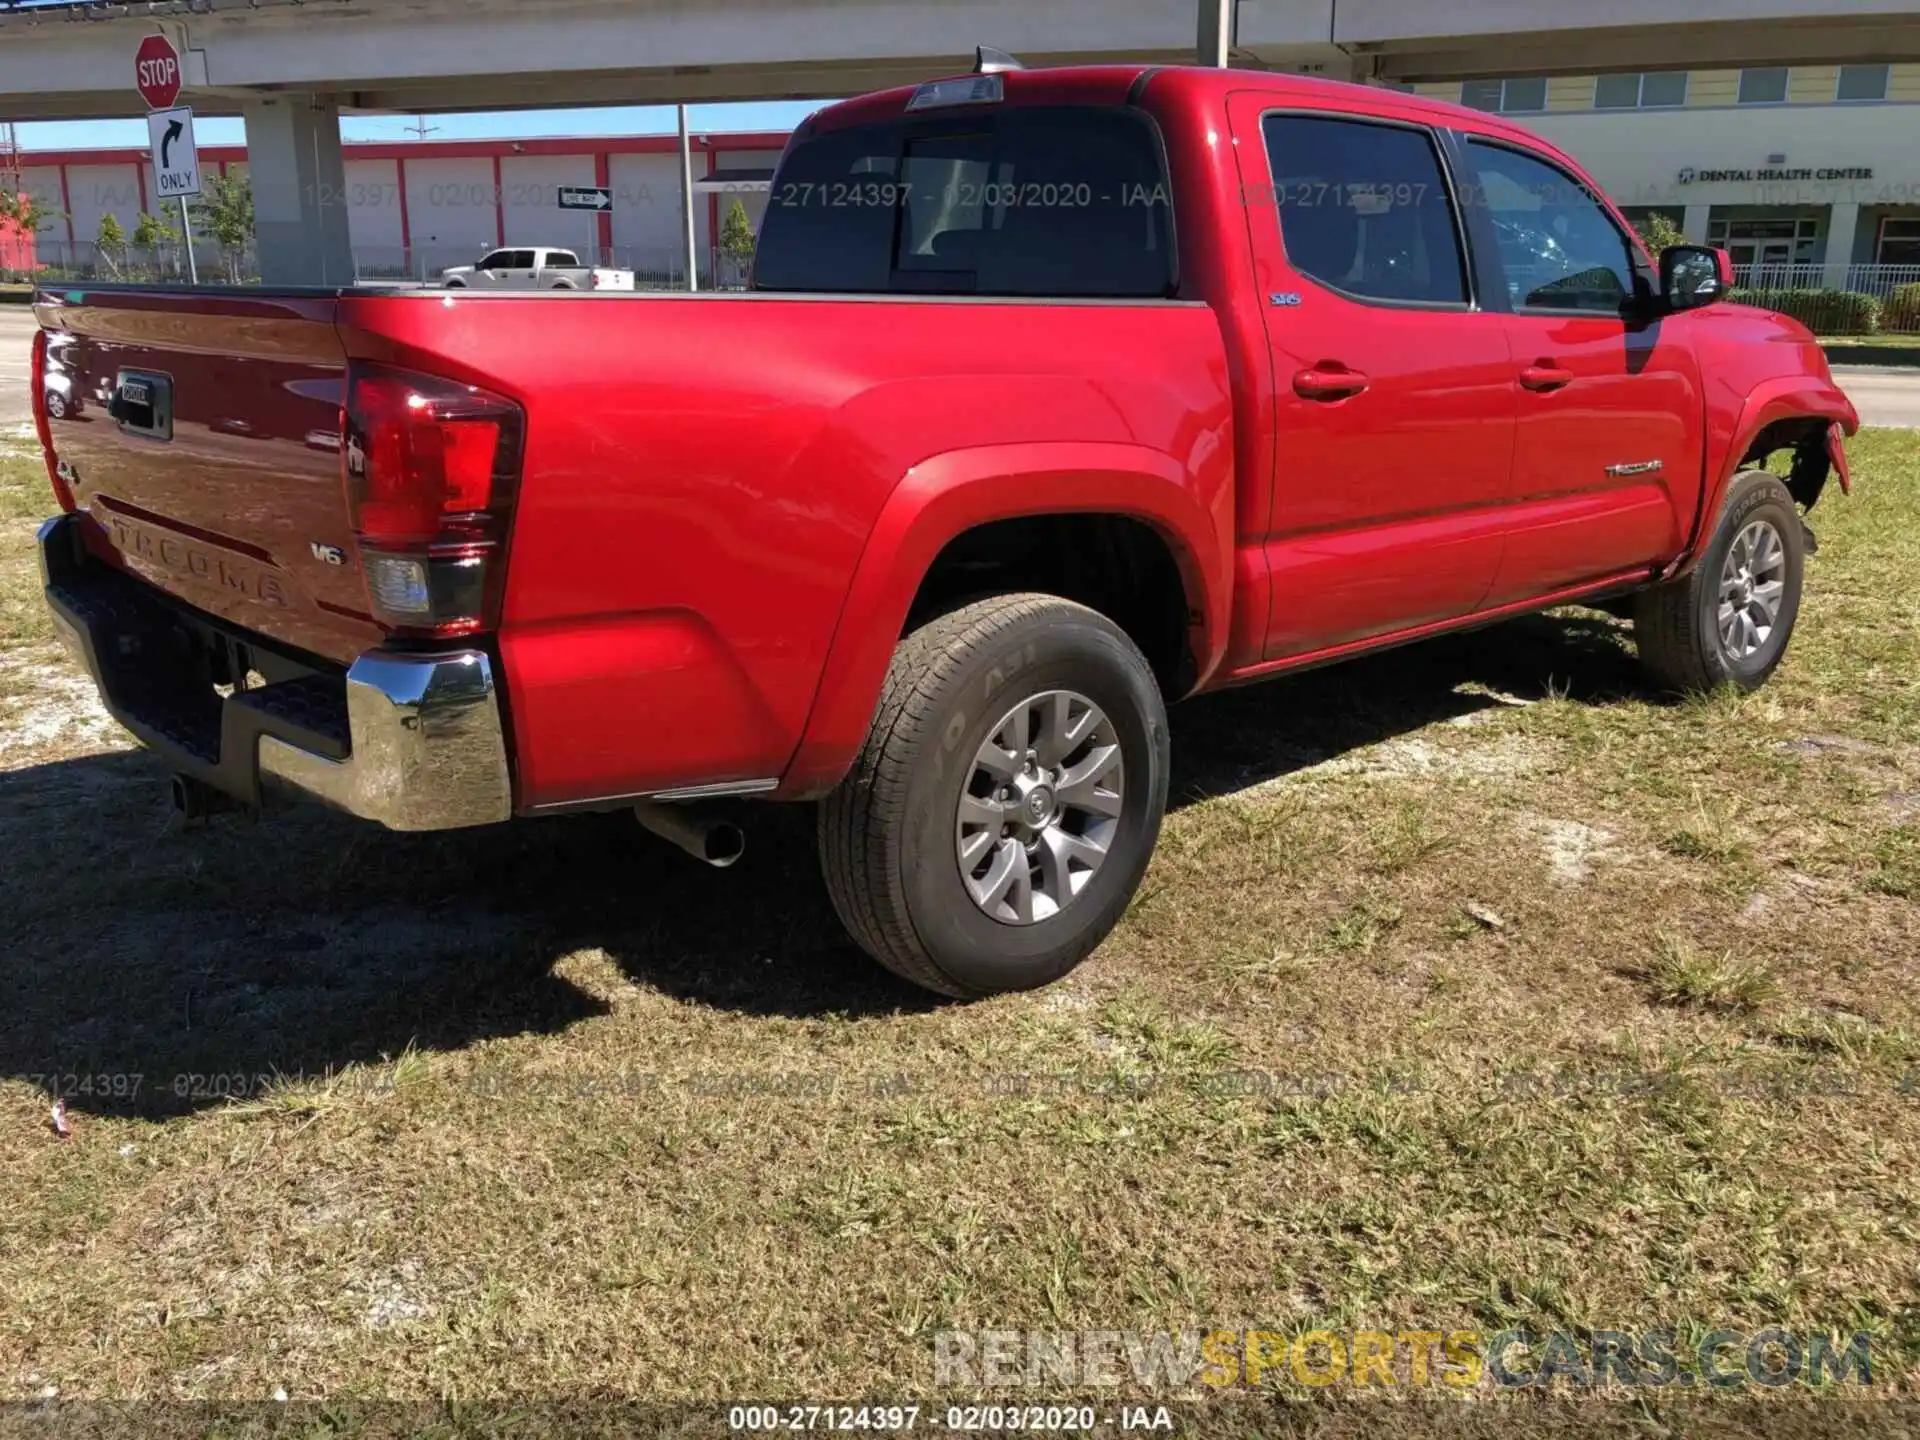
column 1005, row 669
column 1002, row 670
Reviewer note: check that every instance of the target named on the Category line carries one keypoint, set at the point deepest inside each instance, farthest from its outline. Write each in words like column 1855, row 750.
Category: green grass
column 1572, row 1008
column 23, row 481
column 1905, row 341
column 1897, row 350
column 1680, row 975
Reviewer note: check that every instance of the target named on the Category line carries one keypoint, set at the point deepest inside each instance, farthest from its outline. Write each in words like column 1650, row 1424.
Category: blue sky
column 516, row 124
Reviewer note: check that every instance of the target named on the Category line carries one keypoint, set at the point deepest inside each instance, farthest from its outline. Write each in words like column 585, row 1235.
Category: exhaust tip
column 196, row 801
column 718, row 843
column 725, row 844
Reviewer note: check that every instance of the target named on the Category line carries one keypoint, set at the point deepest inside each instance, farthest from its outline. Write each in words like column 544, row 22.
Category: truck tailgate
column 201, row 436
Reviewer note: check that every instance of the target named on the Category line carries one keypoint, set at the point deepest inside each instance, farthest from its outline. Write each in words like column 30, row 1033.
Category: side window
column 1559, row 247
column 519, row 260
column 562, row 260
column 498, row 260
column 1364, row 209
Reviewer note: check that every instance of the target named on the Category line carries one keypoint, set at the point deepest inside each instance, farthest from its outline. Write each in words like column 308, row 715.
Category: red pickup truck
column 1057, row 396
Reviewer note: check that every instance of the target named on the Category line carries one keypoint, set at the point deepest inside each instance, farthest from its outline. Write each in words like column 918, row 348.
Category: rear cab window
column 1041, row 201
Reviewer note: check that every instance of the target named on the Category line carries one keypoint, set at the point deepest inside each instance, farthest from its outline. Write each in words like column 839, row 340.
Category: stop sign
column 156, row 70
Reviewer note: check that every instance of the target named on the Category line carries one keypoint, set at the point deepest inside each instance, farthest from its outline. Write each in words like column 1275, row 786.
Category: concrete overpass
column 291, row 66
column 72, row 61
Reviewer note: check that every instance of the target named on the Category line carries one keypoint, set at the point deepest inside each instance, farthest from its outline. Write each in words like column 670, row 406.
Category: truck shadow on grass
column 152, row 970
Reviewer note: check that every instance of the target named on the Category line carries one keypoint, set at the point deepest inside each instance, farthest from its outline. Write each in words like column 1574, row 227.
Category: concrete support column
column 299, row 190
column 1217, row 18
column 1695, row 223
column 1842, row 226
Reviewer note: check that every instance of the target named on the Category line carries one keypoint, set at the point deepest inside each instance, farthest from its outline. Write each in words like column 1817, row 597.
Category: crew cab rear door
column 1609, row 444
column 1393, row 389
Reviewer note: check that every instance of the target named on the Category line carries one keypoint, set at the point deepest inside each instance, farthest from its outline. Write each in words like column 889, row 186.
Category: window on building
column 1899, row 242
column 1559, row 247
column 1767, row 242
column 1655, row 90
column 1863, row 82
column 1663, row 89
column 1364, row 209
column 1764, row 87
column 1506, row 97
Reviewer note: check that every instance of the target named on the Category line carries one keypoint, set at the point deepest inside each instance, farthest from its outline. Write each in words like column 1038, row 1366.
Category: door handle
column 1545, row 376
column 1330, row 381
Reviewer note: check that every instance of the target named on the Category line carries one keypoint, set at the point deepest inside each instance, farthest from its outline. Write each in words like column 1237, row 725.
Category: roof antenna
column 989, row 61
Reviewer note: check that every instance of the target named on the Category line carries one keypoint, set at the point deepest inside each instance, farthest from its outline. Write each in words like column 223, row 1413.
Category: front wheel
column 1728, row 620
column 1003, row 809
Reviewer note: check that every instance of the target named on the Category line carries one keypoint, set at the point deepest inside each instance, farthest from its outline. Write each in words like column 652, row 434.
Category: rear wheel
column 1009, row 794
column 1728, row 620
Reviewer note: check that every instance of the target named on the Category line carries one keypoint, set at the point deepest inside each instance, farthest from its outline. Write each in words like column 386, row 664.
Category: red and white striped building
column 415, row 207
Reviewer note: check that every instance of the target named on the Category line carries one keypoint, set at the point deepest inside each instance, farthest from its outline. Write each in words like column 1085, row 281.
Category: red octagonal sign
column 156, row 70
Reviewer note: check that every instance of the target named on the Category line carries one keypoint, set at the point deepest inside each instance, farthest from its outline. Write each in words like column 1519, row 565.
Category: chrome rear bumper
column 413, row 741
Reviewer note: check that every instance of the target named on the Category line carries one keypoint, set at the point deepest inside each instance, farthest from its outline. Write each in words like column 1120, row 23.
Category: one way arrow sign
column 176, row 164
column 586, row 197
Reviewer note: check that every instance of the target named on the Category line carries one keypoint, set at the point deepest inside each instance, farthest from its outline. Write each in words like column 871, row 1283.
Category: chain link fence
column 161, row 264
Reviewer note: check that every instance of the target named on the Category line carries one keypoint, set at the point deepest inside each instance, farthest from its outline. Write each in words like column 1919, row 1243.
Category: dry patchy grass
column 1421, row 1020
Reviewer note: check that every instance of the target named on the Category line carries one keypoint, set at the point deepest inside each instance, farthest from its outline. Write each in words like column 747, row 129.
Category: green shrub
column 1659, row 231
column 1902, row 309
column 1825, row 312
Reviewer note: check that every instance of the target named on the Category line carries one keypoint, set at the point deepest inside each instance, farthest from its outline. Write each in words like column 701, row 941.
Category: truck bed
column 700, row 480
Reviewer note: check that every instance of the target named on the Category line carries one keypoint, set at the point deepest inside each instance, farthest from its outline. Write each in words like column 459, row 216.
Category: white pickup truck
column 534, row 267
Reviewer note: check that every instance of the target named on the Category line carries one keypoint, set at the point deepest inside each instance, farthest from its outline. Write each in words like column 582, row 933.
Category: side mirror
column 1692, row 276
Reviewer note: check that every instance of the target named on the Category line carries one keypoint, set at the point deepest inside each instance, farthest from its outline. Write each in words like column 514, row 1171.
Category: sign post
column 686, row 203
column 176, row 161
column 176, row 168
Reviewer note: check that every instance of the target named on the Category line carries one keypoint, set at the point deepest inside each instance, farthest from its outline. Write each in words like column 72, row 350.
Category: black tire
column 1677, row 624
column 887, row 832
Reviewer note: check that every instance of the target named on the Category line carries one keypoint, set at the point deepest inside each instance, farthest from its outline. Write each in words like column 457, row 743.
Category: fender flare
column 943, row 497
column 1791, row 397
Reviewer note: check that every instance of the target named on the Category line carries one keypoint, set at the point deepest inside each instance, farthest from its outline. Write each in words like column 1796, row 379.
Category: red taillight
column 430, row 469
column 43, row 426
